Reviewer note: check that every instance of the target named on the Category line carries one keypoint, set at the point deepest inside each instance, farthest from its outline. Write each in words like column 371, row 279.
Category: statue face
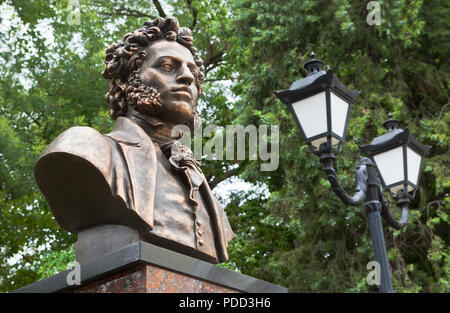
column 171, row 70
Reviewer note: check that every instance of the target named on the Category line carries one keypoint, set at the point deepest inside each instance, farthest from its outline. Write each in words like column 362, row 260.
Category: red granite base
column 146, row 278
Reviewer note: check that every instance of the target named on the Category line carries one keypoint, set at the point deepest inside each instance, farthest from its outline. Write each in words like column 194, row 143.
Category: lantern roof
column 315, row 81
column 392, row 138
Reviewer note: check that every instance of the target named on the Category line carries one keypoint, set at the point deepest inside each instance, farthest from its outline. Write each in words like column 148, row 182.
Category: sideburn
column 142, row 98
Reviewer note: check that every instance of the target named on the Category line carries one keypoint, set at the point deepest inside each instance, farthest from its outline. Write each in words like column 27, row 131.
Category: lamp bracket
column 374, row 201
column 403, row 201
column 327, row 160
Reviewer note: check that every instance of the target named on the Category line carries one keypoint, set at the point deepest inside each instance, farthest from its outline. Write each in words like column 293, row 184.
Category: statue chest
column 176, row 218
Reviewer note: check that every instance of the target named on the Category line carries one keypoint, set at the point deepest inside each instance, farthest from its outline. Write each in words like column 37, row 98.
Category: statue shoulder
column 74, row 174
column 83, row 142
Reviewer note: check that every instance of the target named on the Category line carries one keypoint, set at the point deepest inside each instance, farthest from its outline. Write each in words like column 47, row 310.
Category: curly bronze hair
column 124, row 58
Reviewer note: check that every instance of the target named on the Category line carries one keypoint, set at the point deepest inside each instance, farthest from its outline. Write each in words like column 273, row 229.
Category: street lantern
column 398, row 157
column 320, row 105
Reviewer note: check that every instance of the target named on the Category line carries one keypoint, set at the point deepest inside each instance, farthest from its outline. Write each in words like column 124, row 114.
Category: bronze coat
column 89, row 180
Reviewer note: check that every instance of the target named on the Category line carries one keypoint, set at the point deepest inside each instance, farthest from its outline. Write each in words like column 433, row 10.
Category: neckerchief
column 181, row 158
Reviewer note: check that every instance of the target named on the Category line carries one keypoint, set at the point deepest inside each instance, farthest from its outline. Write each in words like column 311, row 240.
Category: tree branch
column 212, row 66
column 27, row 259
column 443, row 109
column 121, row 11
column 217, row 80
column 126, row 12
column 159, row 8
column 214, row 57
column 216, row 180
column 32, row 118
column 194, row 12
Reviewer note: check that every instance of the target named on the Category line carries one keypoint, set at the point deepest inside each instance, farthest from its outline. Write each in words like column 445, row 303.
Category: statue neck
column 158, row 130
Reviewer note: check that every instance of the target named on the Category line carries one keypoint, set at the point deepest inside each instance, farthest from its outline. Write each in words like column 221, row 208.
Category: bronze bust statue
column 138, row 175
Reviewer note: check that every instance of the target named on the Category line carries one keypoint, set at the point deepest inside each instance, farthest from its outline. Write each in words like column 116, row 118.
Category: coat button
column 201, row 243
column 198, row 223
column 199, row 232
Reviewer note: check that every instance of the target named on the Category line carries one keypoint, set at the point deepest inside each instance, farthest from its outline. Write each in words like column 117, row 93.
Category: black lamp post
column 320, row 105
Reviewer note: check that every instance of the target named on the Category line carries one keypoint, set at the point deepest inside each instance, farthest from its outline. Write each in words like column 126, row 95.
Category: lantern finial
column 391, row 124
column 314, row 65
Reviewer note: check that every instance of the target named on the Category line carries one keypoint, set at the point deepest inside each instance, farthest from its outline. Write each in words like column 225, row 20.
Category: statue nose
column 185, row 76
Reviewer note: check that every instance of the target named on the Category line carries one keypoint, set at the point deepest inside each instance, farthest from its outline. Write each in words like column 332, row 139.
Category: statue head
column 157, row 71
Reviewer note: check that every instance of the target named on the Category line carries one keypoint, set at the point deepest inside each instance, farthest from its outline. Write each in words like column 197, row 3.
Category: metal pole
column 373, row 209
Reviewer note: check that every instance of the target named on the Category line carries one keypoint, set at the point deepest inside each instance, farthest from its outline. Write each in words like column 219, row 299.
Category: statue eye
column 196, row 76
column 167, row 67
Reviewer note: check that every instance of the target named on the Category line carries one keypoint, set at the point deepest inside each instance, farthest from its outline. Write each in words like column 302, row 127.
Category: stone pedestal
column 141, row 267
column 146, row 278
column 101, row 240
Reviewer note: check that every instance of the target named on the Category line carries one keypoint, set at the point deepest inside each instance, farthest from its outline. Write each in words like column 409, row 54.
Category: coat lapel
column 138, row 149
column 220, row 223
column 140, row 158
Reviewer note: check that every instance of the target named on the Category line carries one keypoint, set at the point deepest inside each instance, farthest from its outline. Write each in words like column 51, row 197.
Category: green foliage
column 399, row 69
column 55, row 262
column 300, row 236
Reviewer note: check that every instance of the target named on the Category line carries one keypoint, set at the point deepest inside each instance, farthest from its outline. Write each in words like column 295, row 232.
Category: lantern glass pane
column 317, row 142
column 339, row 109
column 413, row 160
column 312, row 114
column 400, row 187
column 390, row 164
